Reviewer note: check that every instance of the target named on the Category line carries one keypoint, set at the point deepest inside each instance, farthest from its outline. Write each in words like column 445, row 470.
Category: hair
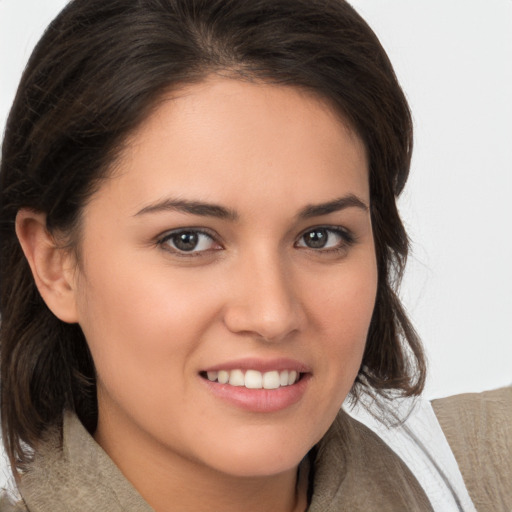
column 97, row 73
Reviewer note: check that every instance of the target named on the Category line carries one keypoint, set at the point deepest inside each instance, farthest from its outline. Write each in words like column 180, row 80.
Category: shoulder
column 478, row 427
column 355, row 470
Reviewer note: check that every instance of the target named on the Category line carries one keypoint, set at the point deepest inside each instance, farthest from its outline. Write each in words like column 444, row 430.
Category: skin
column 155, row 318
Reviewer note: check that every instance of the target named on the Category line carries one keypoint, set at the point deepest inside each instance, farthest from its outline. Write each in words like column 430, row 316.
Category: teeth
column 253, row 379
column 223, row 377
column 236, row 378
column 271, row 380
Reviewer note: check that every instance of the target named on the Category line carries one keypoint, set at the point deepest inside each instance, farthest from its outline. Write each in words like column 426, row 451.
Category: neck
column 170, row 483
column 226, row 493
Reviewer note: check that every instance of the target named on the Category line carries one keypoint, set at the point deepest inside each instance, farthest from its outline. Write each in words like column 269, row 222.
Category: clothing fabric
column 478, row 427
column 355, row 470
column 351, row 469
column 413, row 432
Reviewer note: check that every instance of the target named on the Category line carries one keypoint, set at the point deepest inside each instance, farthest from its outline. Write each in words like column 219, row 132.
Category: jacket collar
column 352, row 470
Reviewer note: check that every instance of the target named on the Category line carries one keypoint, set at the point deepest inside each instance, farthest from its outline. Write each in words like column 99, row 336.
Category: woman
column 199, row 246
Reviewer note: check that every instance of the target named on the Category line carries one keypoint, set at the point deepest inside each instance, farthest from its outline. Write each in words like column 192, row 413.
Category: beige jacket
column 479, row 430
column 352, row 469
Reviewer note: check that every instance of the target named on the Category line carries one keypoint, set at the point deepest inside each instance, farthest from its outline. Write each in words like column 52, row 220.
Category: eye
column 325, row 238
column 189, row 241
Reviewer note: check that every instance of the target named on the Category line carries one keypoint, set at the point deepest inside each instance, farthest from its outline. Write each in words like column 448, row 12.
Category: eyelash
column 347, row 240
column 164, row 242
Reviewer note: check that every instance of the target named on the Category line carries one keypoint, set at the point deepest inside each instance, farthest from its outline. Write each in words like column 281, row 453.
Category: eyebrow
column 193, row 207
column 317, row 210
column 213, row 210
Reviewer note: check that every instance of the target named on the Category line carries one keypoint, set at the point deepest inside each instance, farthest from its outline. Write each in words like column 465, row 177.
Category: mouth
column 254, row 379
column 257, row 385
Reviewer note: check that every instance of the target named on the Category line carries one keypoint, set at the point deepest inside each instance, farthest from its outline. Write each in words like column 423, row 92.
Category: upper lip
column 262, row 365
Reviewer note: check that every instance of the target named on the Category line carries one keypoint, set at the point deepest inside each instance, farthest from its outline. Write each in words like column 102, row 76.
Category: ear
column 52, row 266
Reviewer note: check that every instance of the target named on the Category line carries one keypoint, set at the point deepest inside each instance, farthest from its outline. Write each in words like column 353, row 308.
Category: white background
column 454, row 60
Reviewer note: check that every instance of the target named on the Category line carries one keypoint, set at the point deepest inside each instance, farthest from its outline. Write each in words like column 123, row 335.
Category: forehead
column 225, row 139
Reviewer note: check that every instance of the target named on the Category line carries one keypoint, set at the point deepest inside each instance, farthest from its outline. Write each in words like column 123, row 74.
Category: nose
column 264, row 302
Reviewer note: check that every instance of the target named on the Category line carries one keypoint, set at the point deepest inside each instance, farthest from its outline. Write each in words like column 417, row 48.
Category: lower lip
column 260, row 400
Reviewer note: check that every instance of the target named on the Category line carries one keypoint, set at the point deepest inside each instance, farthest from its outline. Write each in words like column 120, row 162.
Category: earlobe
column 51, row 265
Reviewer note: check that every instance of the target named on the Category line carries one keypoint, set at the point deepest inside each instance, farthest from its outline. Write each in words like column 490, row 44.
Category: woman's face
column 233, row 242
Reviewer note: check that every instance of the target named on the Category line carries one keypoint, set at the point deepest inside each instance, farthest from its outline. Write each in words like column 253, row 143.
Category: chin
column 261, row 458
column 261, row 465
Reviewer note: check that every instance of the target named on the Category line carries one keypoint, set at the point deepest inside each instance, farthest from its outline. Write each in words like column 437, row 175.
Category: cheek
column 143, row 324
column 344, row 310
column 132, row 317
column 346, row 300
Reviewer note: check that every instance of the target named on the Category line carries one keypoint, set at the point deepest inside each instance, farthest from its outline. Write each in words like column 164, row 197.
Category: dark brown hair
column 99, row 69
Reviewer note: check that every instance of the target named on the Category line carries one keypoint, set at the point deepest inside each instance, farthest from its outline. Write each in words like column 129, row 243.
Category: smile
column 254, row 379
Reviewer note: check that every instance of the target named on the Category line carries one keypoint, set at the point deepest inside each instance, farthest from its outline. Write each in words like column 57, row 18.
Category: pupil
column 316, row 239
column 186, row 241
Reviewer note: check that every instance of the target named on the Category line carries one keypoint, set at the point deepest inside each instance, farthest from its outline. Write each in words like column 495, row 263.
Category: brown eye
column 186, row 241
column 190, row 241
column 316, row 239
column 325, row 238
